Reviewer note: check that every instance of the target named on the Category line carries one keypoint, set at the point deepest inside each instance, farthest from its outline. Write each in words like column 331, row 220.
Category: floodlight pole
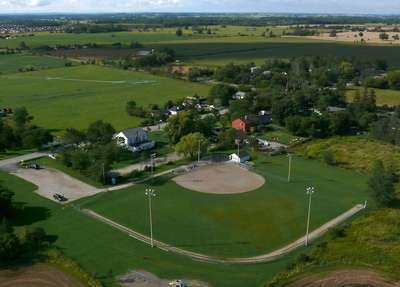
column 310, row 191
column 290, row 167
column 150, row 193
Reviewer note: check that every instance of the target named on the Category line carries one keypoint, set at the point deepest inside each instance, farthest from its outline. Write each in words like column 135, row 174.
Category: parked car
column 60, row 197
column 177, row 283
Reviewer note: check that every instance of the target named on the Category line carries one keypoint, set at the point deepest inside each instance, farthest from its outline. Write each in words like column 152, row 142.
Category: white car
column 177, row 283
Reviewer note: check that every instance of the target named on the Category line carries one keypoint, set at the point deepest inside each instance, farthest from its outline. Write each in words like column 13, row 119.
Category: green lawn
column 11, row 63
column 239, row 225
column 77, row 96
column 279, row 134
column 100, row 249
column 383, row 97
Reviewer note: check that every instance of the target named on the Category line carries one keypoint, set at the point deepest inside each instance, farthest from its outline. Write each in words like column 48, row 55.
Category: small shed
column 242, row 158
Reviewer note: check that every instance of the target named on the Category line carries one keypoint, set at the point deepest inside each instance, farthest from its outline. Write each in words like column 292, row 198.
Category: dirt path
column 345, row 278
column 37, row 276
column 212, row 259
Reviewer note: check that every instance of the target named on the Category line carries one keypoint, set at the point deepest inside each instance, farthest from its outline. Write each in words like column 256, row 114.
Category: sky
column 268, row 6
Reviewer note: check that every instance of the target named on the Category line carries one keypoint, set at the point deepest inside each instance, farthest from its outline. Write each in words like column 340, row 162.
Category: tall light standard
column 290, row 167
column 310, row 191
column 150, row 193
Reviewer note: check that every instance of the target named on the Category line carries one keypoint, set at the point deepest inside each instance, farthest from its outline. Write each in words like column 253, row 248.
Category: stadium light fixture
column 150, row 193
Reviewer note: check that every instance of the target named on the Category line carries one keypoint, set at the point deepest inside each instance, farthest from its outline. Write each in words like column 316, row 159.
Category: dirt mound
column 221, row 179
column 142, row 278
column 37, row 276
column 346, row 278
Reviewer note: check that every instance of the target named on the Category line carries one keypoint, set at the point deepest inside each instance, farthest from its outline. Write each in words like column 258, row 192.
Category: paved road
column 141, row 165
column 11, row 164
column 248, row 260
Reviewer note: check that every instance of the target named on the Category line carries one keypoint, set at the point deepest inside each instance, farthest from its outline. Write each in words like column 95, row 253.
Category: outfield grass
column 102, row 251
column 78, row 96
column 12, row 63
column 238, row 225
column 383, row 97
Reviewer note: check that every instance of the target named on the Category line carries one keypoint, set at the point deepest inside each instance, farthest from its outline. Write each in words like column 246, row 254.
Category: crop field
column 215, row 52
column 77, row 96
column 81, row 238
column 12, row 63
column 245, row 224
column 52, row 39
column 383, row 97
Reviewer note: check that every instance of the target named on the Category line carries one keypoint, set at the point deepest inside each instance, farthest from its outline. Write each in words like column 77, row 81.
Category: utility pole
column 290, row 167
column 199, row 151
column 150, row 193
column 152, row 157
column 310, row 191
column 104, row 174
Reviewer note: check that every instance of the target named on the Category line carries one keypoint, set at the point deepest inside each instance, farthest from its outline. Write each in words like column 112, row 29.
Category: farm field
column 238, row 225
column 215, row 52
column 78, row 96
column 52, row 39
column 383, row 97
column 81, row 238
column 11, row 63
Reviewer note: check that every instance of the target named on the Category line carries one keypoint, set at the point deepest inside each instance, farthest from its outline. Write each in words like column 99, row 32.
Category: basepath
column 245, row 260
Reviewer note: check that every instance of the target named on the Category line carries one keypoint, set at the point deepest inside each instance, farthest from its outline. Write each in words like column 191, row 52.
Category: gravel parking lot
column 51, row 181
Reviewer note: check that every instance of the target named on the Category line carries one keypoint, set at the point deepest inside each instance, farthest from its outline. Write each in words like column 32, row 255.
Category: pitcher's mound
column 221, row 179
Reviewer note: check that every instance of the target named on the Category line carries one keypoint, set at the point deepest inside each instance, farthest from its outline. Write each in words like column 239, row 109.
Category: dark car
column 60, row 197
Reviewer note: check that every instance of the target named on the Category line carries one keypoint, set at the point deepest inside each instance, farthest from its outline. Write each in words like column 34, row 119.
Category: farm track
column 245, row 260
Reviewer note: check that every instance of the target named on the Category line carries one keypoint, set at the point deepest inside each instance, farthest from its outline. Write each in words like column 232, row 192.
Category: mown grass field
column 238, row 225
column 383, row 97
column 106, row 252
column 12, row 63
column 77, row 96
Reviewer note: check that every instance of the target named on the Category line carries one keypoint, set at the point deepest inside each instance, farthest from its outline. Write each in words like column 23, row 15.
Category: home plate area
column 221, row 178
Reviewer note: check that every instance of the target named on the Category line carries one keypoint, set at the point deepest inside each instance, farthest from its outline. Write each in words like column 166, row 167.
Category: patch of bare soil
column 37, row 276
column 227, row 178
column 346, row 278
column 146, row 279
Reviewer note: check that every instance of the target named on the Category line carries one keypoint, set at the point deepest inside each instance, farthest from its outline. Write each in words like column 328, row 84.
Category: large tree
column 381, row 185
column 5, row 201
column 100, row 132
column 189, row 145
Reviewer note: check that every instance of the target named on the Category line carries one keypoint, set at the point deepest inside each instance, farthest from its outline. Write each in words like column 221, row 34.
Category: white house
column 136, row 139
column 239, row 96
column 239, row 158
